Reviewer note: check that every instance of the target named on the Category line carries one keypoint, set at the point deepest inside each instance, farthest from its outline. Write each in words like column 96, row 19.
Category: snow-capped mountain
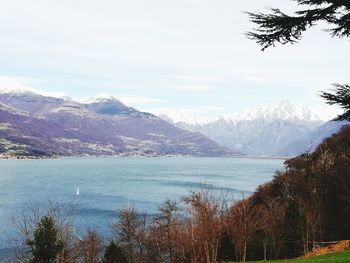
column 281, row 111
column 108, row 105
column 33, row 124
column 100, row 98
column 9, row 87
column 265, row 131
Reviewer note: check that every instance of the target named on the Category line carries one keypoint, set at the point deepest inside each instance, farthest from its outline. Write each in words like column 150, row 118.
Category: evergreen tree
column 341, row 96
column 114, row 254
column 282, row 28
column 46, row 245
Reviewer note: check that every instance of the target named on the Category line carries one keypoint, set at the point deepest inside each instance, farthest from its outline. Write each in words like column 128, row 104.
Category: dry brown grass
column 334, row 248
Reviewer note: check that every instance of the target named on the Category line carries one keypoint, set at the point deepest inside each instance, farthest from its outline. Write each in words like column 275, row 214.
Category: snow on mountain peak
column 190, row 116
column 103, row 97
column 17, row 86
column 30, row 91
column 282, row 111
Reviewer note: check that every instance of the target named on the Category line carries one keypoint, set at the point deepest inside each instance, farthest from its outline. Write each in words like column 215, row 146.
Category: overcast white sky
column 161, row 54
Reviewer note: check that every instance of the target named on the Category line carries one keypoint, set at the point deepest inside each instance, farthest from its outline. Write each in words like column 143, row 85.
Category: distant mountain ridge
column 313, row 139
column 36, row 125
column 282, row 111
column 272, row 131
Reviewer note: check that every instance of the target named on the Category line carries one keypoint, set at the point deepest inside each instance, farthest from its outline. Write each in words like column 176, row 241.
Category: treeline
column 285, row 218
column 188, row 231
column 307, row 204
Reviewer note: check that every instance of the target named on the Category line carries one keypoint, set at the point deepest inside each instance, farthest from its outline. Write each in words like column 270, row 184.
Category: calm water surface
column 107, row 183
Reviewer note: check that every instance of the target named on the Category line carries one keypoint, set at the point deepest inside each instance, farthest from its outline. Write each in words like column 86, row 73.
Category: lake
column 106, row 184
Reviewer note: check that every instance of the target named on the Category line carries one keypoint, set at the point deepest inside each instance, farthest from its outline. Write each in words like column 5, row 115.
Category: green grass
column 342, row 257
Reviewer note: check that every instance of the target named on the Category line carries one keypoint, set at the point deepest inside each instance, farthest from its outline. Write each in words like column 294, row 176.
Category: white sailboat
column 78, row 192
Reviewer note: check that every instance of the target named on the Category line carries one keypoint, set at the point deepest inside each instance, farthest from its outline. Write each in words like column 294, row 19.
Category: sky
column 188, row 56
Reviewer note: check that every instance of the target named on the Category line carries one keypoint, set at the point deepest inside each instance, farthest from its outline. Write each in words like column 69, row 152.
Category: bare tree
column 206, row 224
column 91, row 247
column 130, row 231
column 243, row 221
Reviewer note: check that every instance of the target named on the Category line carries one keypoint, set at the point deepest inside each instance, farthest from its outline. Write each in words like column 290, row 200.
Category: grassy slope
column 342, row 257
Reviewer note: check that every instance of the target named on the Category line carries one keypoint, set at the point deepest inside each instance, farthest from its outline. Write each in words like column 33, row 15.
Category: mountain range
column 33, row 124
column 281, row 130
column 36, row 125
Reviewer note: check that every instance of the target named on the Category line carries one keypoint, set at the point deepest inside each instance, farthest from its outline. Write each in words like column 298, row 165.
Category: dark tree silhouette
column 283, row 28
column 340, row 96
column 46, row 245
column 114, row 254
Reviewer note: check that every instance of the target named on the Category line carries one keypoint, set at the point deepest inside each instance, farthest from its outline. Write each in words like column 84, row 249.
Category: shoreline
column 139, row 156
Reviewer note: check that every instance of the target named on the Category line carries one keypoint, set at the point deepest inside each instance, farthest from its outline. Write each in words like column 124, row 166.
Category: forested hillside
column 308, row 203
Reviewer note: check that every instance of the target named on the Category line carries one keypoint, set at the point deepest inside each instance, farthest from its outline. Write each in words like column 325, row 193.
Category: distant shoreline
column 138, row 156
column 264, row 157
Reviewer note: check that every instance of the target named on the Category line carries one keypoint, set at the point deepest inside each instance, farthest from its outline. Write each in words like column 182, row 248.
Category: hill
column 37, row 125
column 313, row 139
column 307, row 203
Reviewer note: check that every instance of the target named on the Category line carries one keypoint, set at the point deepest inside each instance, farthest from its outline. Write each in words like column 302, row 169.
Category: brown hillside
column 338, row 247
